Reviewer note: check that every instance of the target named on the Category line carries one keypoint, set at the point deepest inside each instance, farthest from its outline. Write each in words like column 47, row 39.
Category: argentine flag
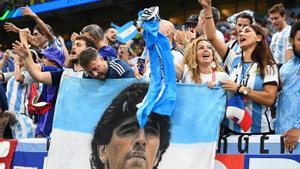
column 81, row 102
column 125, row 32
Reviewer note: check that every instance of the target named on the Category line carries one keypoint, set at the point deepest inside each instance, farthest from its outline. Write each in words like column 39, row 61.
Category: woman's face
column 248, row 38
column 39, row 40
column 204, row 53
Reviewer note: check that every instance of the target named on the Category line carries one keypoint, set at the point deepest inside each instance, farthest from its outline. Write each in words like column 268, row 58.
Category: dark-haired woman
column 252, row 73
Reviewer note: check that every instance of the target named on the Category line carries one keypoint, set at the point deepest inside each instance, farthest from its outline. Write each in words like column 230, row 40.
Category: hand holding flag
column 236, row 111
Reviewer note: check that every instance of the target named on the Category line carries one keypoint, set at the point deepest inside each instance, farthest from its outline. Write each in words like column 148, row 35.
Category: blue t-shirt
column 108, row 53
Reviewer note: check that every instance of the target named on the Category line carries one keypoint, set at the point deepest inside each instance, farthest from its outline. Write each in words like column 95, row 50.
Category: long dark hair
column 262, row 53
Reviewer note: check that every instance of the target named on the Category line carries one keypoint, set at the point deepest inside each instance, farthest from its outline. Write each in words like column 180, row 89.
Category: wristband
column 208, row 17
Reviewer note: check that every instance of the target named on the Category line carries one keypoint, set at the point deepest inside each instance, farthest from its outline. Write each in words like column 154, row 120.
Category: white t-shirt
column 187, row 76
column 177, row 56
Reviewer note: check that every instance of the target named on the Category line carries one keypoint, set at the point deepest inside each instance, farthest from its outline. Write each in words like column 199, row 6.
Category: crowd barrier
column 234, row 152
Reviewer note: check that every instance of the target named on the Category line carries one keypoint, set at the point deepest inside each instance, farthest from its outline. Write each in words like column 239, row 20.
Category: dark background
column 66, row 21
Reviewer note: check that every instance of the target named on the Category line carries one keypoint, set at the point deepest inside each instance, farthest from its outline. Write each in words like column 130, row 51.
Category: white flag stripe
column 127, row 32
column 189, row 156
column 67, row 151
column 5, row 145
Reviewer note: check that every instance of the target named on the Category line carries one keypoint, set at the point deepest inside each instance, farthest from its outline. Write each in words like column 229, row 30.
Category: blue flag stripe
column 30, row 147
column 196, row 117
column 80, row 107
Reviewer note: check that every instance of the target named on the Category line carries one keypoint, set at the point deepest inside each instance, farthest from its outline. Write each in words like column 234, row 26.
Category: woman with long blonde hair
column 200, row 64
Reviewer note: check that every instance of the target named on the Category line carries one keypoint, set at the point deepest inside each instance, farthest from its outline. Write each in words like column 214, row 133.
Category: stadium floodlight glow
column 53, row 5
column 4, row 15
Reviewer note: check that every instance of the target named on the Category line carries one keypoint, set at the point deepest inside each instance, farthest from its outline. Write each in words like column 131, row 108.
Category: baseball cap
column 192, row 19
column 55, row 55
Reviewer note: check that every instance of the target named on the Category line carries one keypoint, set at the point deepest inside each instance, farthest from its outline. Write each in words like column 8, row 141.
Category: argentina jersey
column 288, row 102
column 280, row 43
column 17, row 96
column 56, row 44
column 119, row 69
column 250, row 76
column 234, row 45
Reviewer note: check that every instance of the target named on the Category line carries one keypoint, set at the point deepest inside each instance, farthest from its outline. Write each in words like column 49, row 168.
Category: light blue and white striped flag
column 81, row 102
column 125, row 32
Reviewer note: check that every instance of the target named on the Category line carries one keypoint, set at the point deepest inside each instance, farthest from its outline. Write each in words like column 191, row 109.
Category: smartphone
column 141, row 65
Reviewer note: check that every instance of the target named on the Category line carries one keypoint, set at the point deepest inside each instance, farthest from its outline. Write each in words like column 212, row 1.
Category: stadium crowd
column 257, row 66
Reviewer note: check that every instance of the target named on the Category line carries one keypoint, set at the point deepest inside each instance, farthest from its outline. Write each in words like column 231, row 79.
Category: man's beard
column 74, row 61
column 111, row 41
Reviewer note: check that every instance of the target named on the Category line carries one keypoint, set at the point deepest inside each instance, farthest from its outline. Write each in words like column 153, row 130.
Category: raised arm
column 28, row 12
column 10, row 27
column 74, row 36
column 23, row 33
column 33, row 69
column 210, row 29
column 65, row 50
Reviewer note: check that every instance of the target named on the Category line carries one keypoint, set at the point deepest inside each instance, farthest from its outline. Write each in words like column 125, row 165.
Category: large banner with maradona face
column 81, row 103
column 194, row 131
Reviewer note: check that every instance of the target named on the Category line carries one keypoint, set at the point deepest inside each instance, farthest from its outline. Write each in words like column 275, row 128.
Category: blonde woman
column 200, row 64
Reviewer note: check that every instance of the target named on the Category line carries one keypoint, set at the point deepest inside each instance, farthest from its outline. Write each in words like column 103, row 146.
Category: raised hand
column 6, row 55
column 20, row 49
column 181, row 37
column 10, row 27
column 205, row 3
column 136, row 72
column 74, row 36
column 26, row 11
column 24, row 33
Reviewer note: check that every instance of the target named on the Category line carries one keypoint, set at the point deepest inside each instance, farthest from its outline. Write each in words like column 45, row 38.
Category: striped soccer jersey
column 280, row 43
column 261, row 114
